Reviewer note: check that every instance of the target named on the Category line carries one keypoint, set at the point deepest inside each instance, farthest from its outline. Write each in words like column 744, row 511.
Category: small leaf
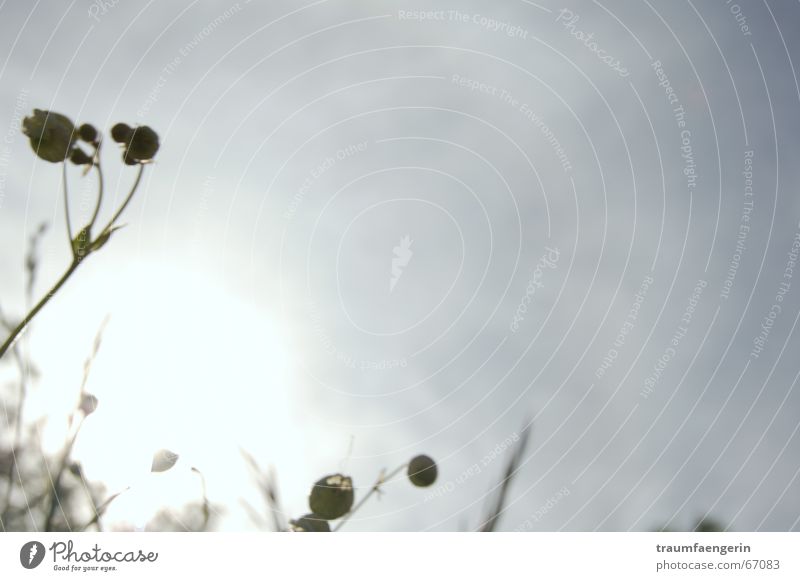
column 103, row 238
column 163, row 460
column 82, row 244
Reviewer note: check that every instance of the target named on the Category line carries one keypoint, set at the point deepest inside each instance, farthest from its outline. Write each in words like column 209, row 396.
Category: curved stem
column 76, row 260
column 42, row 302
column 126, row 202
column 66, row 208
column 96, row 162
column 382, row 479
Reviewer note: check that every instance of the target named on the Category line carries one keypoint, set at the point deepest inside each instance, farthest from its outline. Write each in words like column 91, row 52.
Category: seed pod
column 332, row 496
column 143, row 144
column 422, row 471
column 51, row 135
column 310, row 523
column 79, row 157
column 88, row 133
column 121, row 133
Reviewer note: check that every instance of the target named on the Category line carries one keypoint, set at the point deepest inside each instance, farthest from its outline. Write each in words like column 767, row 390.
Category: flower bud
column 422, row 471
column 79, row 157
column 121, row 133
column 88, row 133
column 51, row 135
column 332, row 496
column 143, row 144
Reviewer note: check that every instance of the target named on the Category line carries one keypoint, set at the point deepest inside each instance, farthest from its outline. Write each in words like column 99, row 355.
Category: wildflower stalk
column 87, row 247
column 66, row 204
column 54, row 138
column 39, row 306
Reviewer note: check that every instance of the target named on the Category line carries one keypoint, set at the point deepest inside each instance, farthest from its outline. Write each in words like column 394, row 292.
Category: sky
column 379, row 229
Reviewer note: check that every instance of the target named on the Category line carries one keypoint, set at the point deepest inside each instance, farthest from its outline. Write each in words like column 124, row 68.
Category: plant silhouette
column 55, row 139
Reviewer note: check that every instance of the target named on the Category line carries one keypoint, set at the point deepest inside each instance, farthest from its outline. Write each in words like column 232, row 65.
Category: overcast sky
column 376, row 229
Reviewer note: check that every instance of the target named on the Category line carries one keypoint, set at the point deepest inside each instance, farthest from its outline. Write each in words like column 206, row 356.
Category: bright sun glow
column 184, row 365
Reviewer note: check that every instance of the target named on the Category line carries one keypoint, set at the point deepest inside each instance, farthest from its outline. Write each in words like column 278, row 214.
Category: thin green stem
column 382, row 479
column 42, row 302
column 96, row 163
column 66, row 208
column 126, row 202
column 76, row 260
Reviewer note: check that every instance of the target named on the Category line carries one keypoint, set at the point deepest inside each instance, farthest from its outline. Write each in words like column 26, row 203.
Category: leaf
column 82, row 244
column 103, row 238
column 163, row 460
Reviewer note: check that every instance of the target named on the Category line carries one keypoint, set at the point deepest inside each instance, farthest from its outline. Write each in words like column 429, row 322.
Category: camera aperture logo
column 402, row 256
column 67, row 558
column 31, row 554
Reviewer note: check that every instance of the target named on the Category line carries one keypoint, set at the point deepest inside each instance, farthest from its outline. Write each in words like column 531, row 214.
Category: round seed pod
column 143, row 143
column 79, row 157
column 332, row 496
column 310, row 523
column 422, row 471
column 88, row 133
column 121, row 133
column 52, row 135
